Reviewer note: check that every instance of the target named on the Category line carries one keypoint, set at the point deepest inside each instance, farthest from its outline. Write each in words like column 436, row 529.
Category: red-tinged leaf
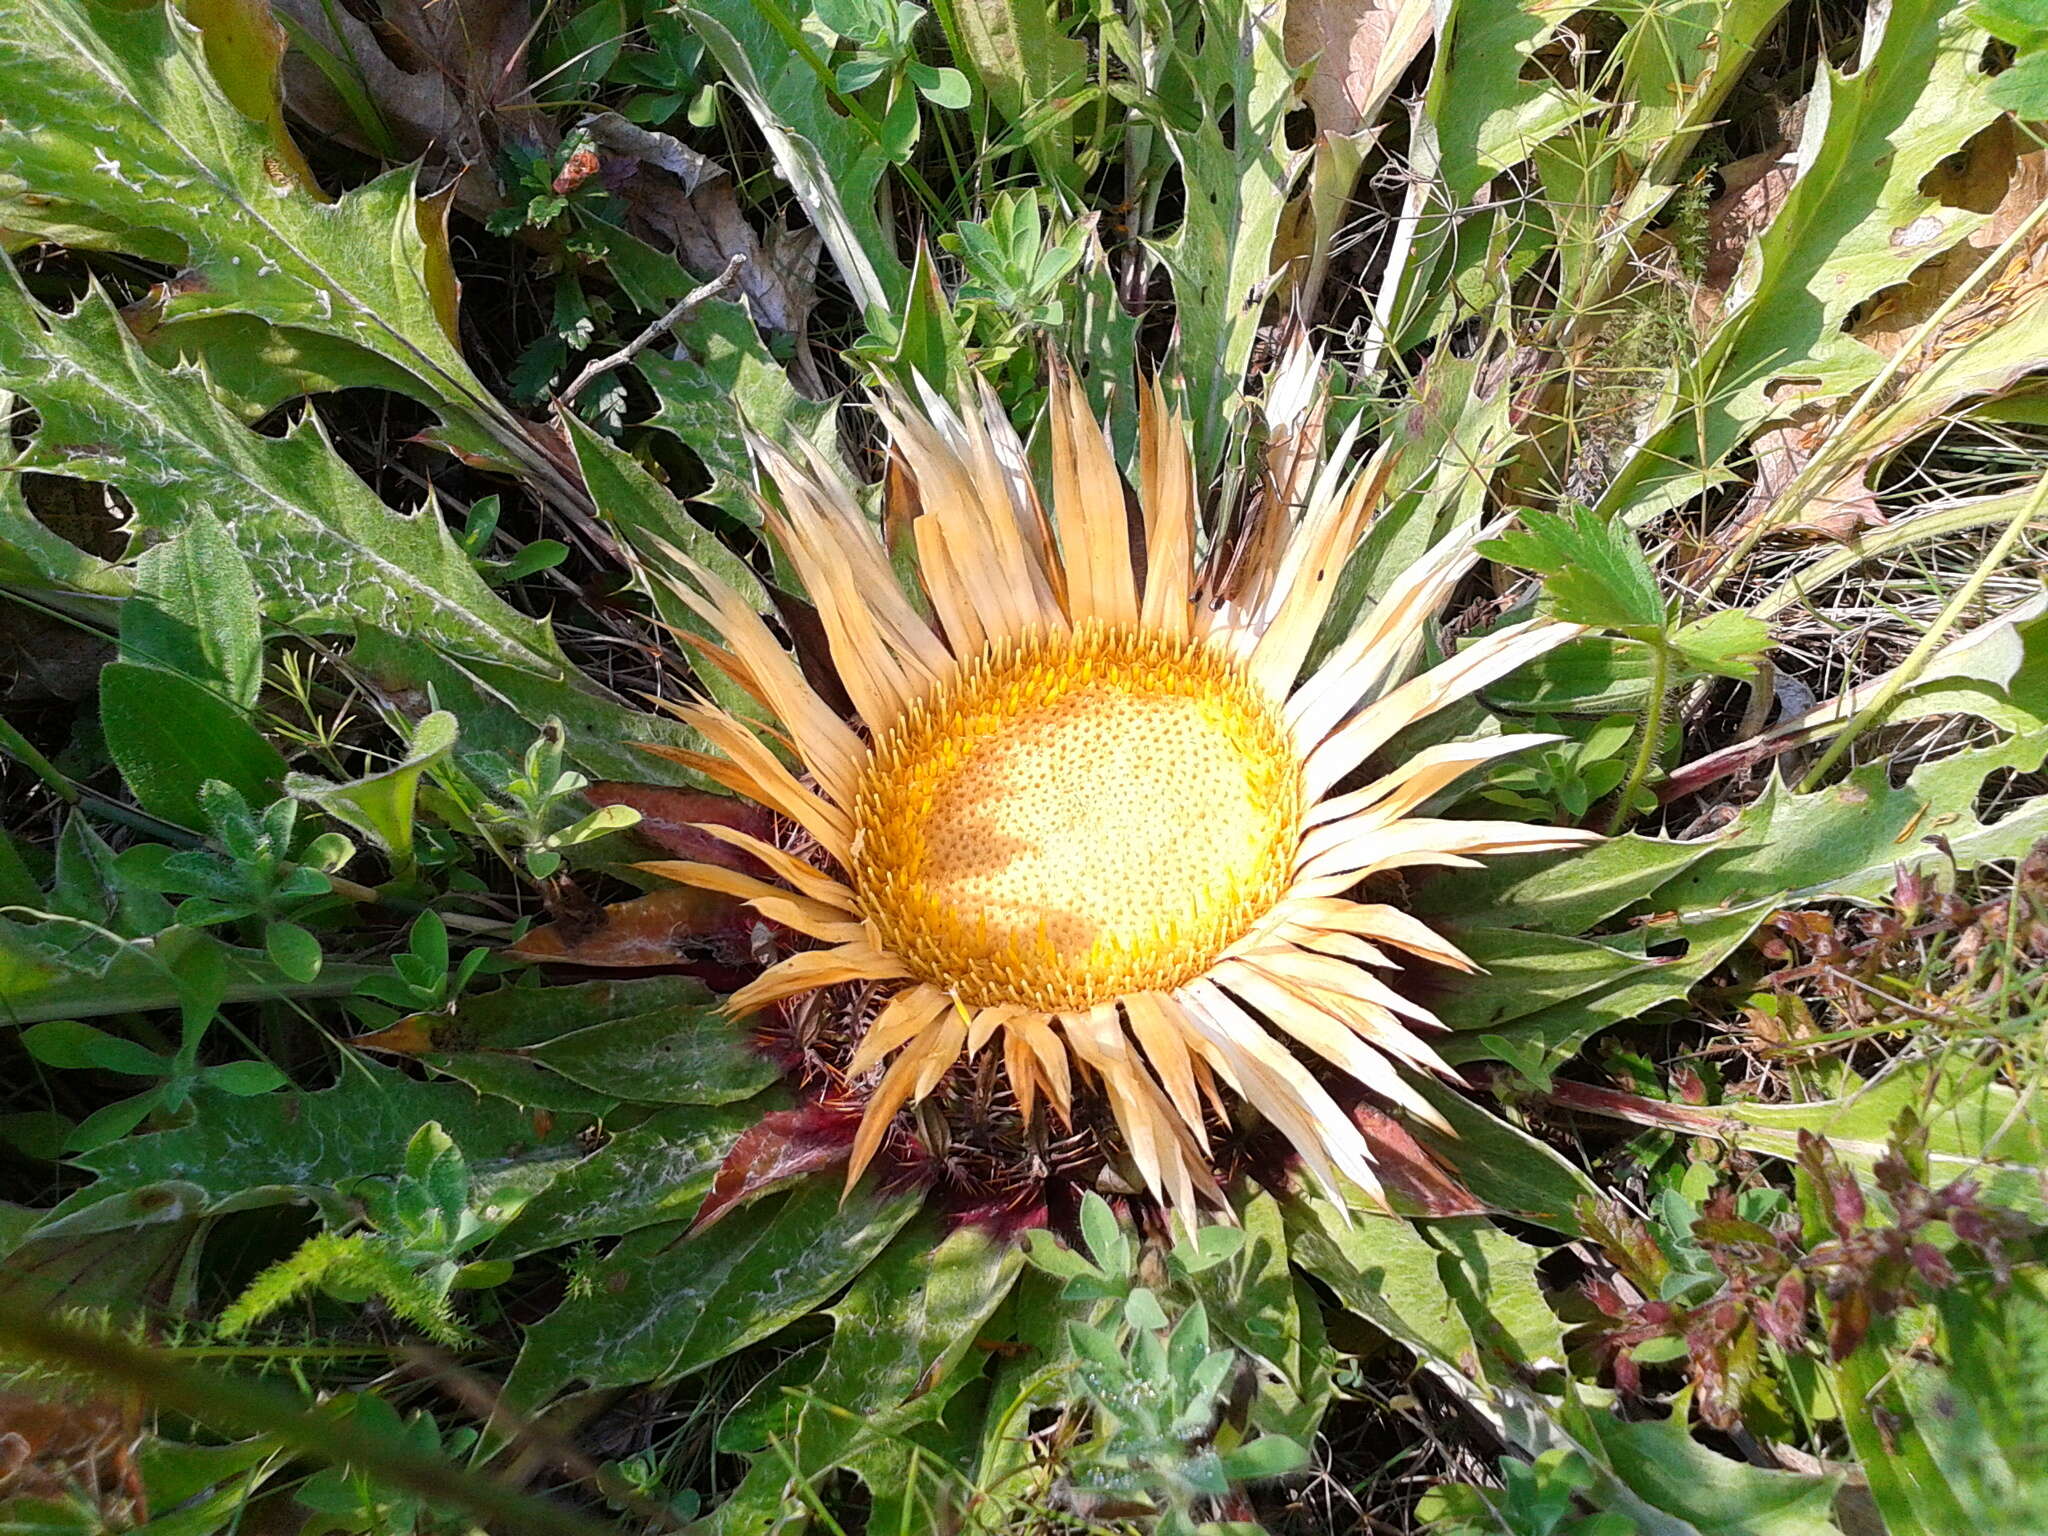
column 1783, row 1317
column 669, row 818
column 675, row 928
column 1852, row 1322
column 786, row 1145
column 1845, row 1198
column 1415, row 1182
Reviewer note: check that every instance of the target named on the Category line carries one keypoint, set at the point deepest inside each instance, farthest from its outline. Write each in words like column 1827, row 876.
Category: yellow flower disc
column 1077, row 818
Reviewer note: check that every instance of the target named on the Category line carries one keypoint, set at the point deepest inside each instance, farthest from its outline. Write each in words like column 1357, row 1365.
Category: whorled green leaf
column 900, row 1340
column 665, row 1302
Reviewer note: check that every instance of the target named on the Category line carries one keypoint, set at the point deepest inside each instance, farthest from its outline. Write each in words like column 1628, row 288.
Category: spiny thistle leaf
column 326, row 552
column 119, row 137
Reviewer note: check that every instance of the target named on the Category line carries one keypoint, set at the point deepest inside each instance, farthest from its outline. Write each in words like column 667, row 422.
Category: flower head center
column 1078, row 817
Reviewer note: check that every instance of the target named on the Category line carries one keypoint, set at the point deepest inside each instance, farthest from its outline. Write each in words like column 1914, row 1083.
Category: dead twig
column 598, row 367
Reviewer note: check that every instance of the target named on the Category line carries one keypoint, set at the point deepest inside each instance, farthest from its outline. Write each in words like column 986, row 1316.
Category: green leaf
column 1253, row 1301
column 1105, row 1238
column 675, row 1052
column 327, row 555
column 2023, row 89
column 1268, row 1456
column 1661, row 1462
column 1976, row 1126
column 293, row 950
column 1849, row 838
column 1726, row 643
column 1487, row 106
column 67, row 1043
column 194, row 612
column 1593, row 570
column 2018, row 22
column 1024, row 62
column 1221, row 255
column 1507, row 1168
column 168, row 735
column 54, row 970
column 1861, row 217
column 947, row 88
column 1962, row 1436
column 832, row 162
column 237, row 1153
column 1491, row 1276
column 380, row 805
column 1593, row 674
column 501, row 707
column 1522, row 973
column 652, row 522
column 34, row 556
column 244, row 1079
column 119, row 138
column 658, row 1171
column 1559, row 893
column 666, row 1303
column 1380, row 1268
column 900, row 1351
column 722, row 376
column 656, row 1040
column 582, row 46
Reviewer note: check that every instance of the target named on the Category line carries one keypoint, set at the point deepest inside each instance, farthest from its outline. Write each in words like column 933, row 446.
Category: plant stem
column 598, row 367
column 1908, row 671
column 258, row 1408
column 1653, row 727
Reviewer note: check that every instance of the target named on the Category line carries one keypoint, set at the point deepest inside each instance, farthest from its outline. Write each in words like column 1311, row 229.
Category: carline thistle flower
column 1092, row 805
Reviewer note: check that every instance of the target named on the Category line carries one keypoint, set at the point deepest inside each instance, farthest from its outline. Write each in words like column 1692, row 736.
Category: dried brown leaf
column 1361, row 48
